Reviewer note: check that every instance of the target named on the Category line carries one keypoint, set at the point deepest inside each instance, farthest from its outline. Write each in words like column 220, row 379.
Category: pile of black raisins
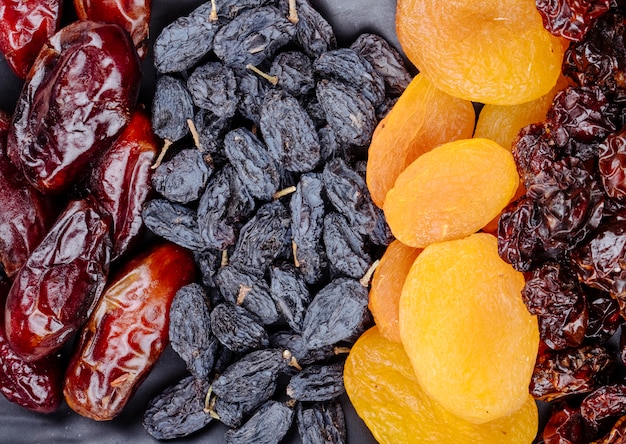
column 568, row 234
column 267, row 124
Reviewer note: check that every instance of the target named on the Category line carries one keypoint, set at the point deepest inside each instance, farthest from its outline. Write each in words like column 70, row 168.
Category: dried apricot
column 385, row 393
column 422, row 118
column 451, row 192
column 502, row 123
column 481, row 50
column 386, row 287
column 466, row 330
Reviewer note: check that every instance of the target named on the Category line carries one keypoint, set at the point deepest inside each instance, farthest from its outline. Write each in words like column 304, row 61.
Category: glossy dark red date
column 132, row 15
column 36, row 385
column 24, row 28
column 76, row 100
column 56, row 289
column 127, row 332
column 120, row 181
column 26, row 214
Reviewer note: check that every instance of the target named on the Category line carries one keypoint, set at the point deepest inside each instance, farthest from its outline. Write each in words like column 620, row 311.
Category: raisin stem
column 213, row 16
column 194, row 133
column 224, row 261
column 284, row 192
column 293, row 12
column 367, row 277
column 243, row 292
column 294, row 248
column 166, row 145
column 272, row 79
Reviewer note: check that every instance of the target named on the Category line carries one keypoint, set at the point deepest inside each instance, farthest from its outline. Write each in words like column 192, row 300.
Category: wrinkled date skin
column 120, row 181
column 35, row 386
column 77, row 99
column 56, row 289
column 132, row 15
column 26, row 214
column 24, row 28
column 127, row 332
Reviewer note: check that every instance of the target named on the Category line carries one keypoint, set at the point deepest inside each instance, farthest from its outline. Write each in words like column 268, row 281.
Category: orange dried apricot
column 386, row 287
column 451, row 192
column 466, row 330
column 502, row 123
column 384, row 391
column 422, row 118
column 488, row 51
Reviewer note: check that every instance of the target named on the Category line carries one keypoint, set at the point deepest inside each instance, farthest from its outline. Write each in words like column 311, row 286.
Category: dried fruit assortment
column 566, row 232
column 266, row 124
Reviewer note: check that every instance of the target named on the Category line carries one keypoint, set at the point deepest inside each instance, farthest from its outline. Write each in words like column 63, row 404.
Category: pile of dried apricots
column 453, row 350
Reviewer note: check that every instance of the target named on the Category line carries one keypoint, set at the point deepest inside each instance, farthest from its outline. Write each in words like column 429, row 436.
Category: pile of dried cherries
column 568, row 231
column 266, row 124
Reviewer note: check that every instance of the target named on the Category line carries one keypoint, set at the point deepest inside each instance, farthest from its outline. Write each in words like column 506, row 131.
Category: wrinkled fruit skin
column 26, row 215
column 24, row 28
column 383, row 388
column 56, row 289
column 132, row 15
column 126, row 332
column 120, row 181
column 33, row 385
column 53, row 138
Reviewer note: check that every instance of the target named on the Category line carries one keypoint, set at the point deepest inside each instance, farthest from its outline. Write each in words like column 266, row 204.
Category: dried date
column 126, row 332
column 55, row 291
column 604, row 404
column 26, row 215
column 120, row 181
column 133, row 16
column 24, row 29
column 52, row 140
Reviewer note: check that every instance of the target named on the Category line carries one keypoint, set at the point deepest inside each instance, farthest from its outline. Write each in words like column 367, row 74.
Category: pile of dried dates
column 247, row 169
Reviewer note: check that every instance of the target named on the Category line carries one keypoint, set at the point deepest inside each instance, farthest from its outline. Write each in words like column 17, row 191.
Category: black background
column 349, row 18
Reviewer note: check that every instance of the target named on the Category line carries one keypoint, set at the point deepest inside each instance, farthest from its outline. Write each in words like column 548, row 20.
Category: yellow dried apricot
column 488, row 51
column 451, row 192
column 422, row 118
column 466, row 330
column 386, row 287
column 502, row 123
column 385, row 393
